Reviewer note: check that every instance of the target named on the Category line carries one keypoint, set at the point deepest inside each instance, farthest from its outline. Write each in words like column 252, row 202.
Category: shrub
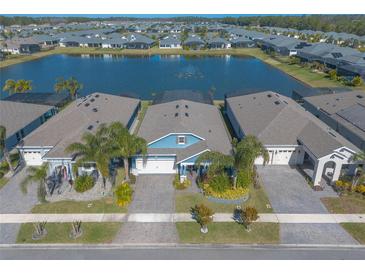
column 357, row 81
column 244, row 178
column 220, row 183
column 332, row 74
column 84, row 183
column 342, row 186
column 229, row 194
column 360, row 189
column 202, row 214
column 132, row 179
column 178, row 185
column 123, row 194
column 249, row 215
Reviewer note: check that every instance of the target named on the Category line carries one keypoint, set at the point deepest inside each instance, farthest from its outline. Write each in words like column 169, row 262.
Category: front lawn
column 345, row 205
column 59, row 233
column 233, row 233
column 106, row 205
column 258, row 199
column 356, row 230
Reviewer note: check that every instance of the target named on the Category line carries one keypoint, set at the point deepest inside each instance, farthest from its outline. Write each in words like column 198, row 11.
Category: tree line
column 339, row 23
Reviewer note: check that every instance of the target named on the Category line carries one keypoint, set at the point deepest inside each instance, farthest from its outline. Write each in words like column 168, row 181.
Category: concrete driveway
column 12, row 200
column 288, row 192
column 153, row 194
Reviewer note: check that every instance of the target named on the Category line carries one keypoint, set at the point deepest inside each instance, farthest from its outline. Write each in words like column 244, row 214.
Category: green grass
column 345, row 205
column 356, row 230
column 106, row 205
column 233, row 233
column 3, row 182
column 258, row 199
column 59, row 233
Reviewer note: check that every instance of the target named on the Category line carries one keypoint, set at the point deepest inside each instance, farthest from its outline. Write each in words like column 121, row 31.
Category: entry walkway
column 181, row 217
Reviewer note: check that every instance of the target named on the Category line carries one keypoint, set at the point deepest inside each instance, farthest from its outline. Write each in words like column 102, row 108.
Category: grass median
column 93, row 233
column 356, row 230
column 229, row 233
column 353, row 204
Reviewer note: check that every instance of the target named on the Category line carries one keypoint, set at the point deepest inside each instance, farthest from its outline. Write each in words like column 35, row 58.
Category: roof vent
column 176, row 114
column 277, row 102
column 269, row 95
column 92, row 100
column 97, row 95
column 90, row 127
column 87, row 104
column 209, row 130
column 254, row 97
column 186, row 114
column 95, row 109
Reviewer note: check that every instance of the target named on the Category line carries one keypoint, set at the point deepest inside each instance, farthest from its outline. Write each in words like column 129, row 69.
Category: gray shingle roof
column 185, row 116
column 15, row 116
column 69, row 125
column 278, row 120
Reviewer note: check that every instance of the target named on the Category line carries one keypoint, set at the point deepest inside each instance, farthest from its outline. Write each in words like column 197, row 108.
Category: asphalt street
column 180, row 252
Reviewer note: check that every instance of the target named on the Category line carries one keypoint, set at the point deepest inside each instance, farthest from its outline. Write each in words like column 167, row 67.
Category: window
column 181, row 140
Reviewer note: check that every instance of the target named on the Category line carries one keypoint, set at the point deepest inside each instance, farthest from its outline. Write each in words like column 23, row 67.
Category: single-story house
column 242, row 42
column 194, row 42
column 343, row 112
column 20, row 119
column 291, row 135
column 218, row 43
column 49, row 141
column 178, row 127
column 170, row 42
column 138, row 41
column 21, row 46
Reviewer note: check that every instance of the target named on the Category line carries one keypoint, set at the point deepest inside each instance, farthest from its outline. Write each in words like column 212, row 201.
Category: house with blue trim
column 178, row 127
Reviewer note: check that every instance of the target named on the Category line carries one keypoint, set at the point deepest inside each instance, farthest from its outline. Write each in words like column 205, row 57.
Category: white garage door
column 156, row 166
column 32, row 158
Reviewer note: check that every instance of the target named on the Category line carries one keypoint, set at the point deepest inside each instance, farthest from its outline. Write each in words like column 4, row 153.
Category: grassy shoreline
column 304, row 75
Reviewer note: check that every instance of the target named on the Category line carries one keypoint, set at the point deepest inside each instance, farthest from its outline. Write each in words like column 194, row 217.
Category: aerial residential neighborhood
column 182, row 133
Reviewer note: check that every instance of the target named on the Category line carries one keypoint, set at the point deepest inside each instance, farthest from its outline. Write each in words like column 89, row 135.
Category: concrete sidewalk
column 180, row 217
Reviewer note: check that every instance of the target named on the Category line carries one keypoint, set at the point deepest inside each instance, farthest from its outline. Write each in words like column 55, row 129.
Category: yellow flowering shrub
column 229, row 194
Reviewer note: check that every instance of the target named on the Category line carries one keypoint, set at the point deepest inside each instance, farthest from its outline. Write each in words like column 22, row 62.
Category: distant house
column 46, row 40
column 20, row 119
column 138, row 41
column 241, row 42
column 218, row 43
column 170, row 42
column 344, row 112
column 2, row 56
column 21, row 46
column 194, row 42
column 114, row 43
column 178, row 127
column 283, row 45
column 70, row 42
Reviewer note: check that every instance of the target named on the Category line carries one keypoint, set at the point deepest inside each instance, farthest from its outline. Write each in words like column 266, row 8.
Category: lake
column 147, row 75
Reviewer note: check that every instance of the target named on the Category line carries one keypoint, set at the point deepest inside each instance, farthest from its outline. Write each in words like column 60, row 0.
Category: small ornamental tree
column 203, row 215
column 249, row 215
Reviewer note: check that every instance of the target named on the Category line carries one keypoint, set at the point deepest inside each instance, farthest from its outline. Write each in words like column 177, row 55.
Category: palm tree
column 71, row 85
column 244, row 155
column 19, row 86
column 126, row 145
column 39, row 175
column 3, row 150
column 95, row 148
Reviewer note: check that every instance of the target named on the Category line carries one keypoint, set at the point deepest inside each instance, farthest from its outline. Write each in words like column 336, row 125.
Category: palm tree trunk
column 126, row 168
column 104, row 181
column 7, row 158
column 235, row 181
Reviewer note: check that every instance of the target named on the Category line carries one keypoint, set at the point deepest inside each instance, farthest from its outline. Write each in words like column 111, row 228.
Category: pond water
column 146, row 75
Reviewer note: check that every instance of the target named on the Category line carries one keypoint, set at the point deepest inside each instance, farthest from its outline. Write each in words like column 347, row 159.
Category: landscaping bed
column 106, row 205
column 59, row 233
column 352, row 204
column 356, row 230
column 233, row 233
column 258, row 199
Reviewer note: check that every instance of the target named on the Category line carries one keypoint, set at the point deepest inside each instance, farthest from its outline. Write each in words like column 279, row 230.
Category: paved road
column 184, row 252
column 288, row 192
column 153, row 194
column 12, row 200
